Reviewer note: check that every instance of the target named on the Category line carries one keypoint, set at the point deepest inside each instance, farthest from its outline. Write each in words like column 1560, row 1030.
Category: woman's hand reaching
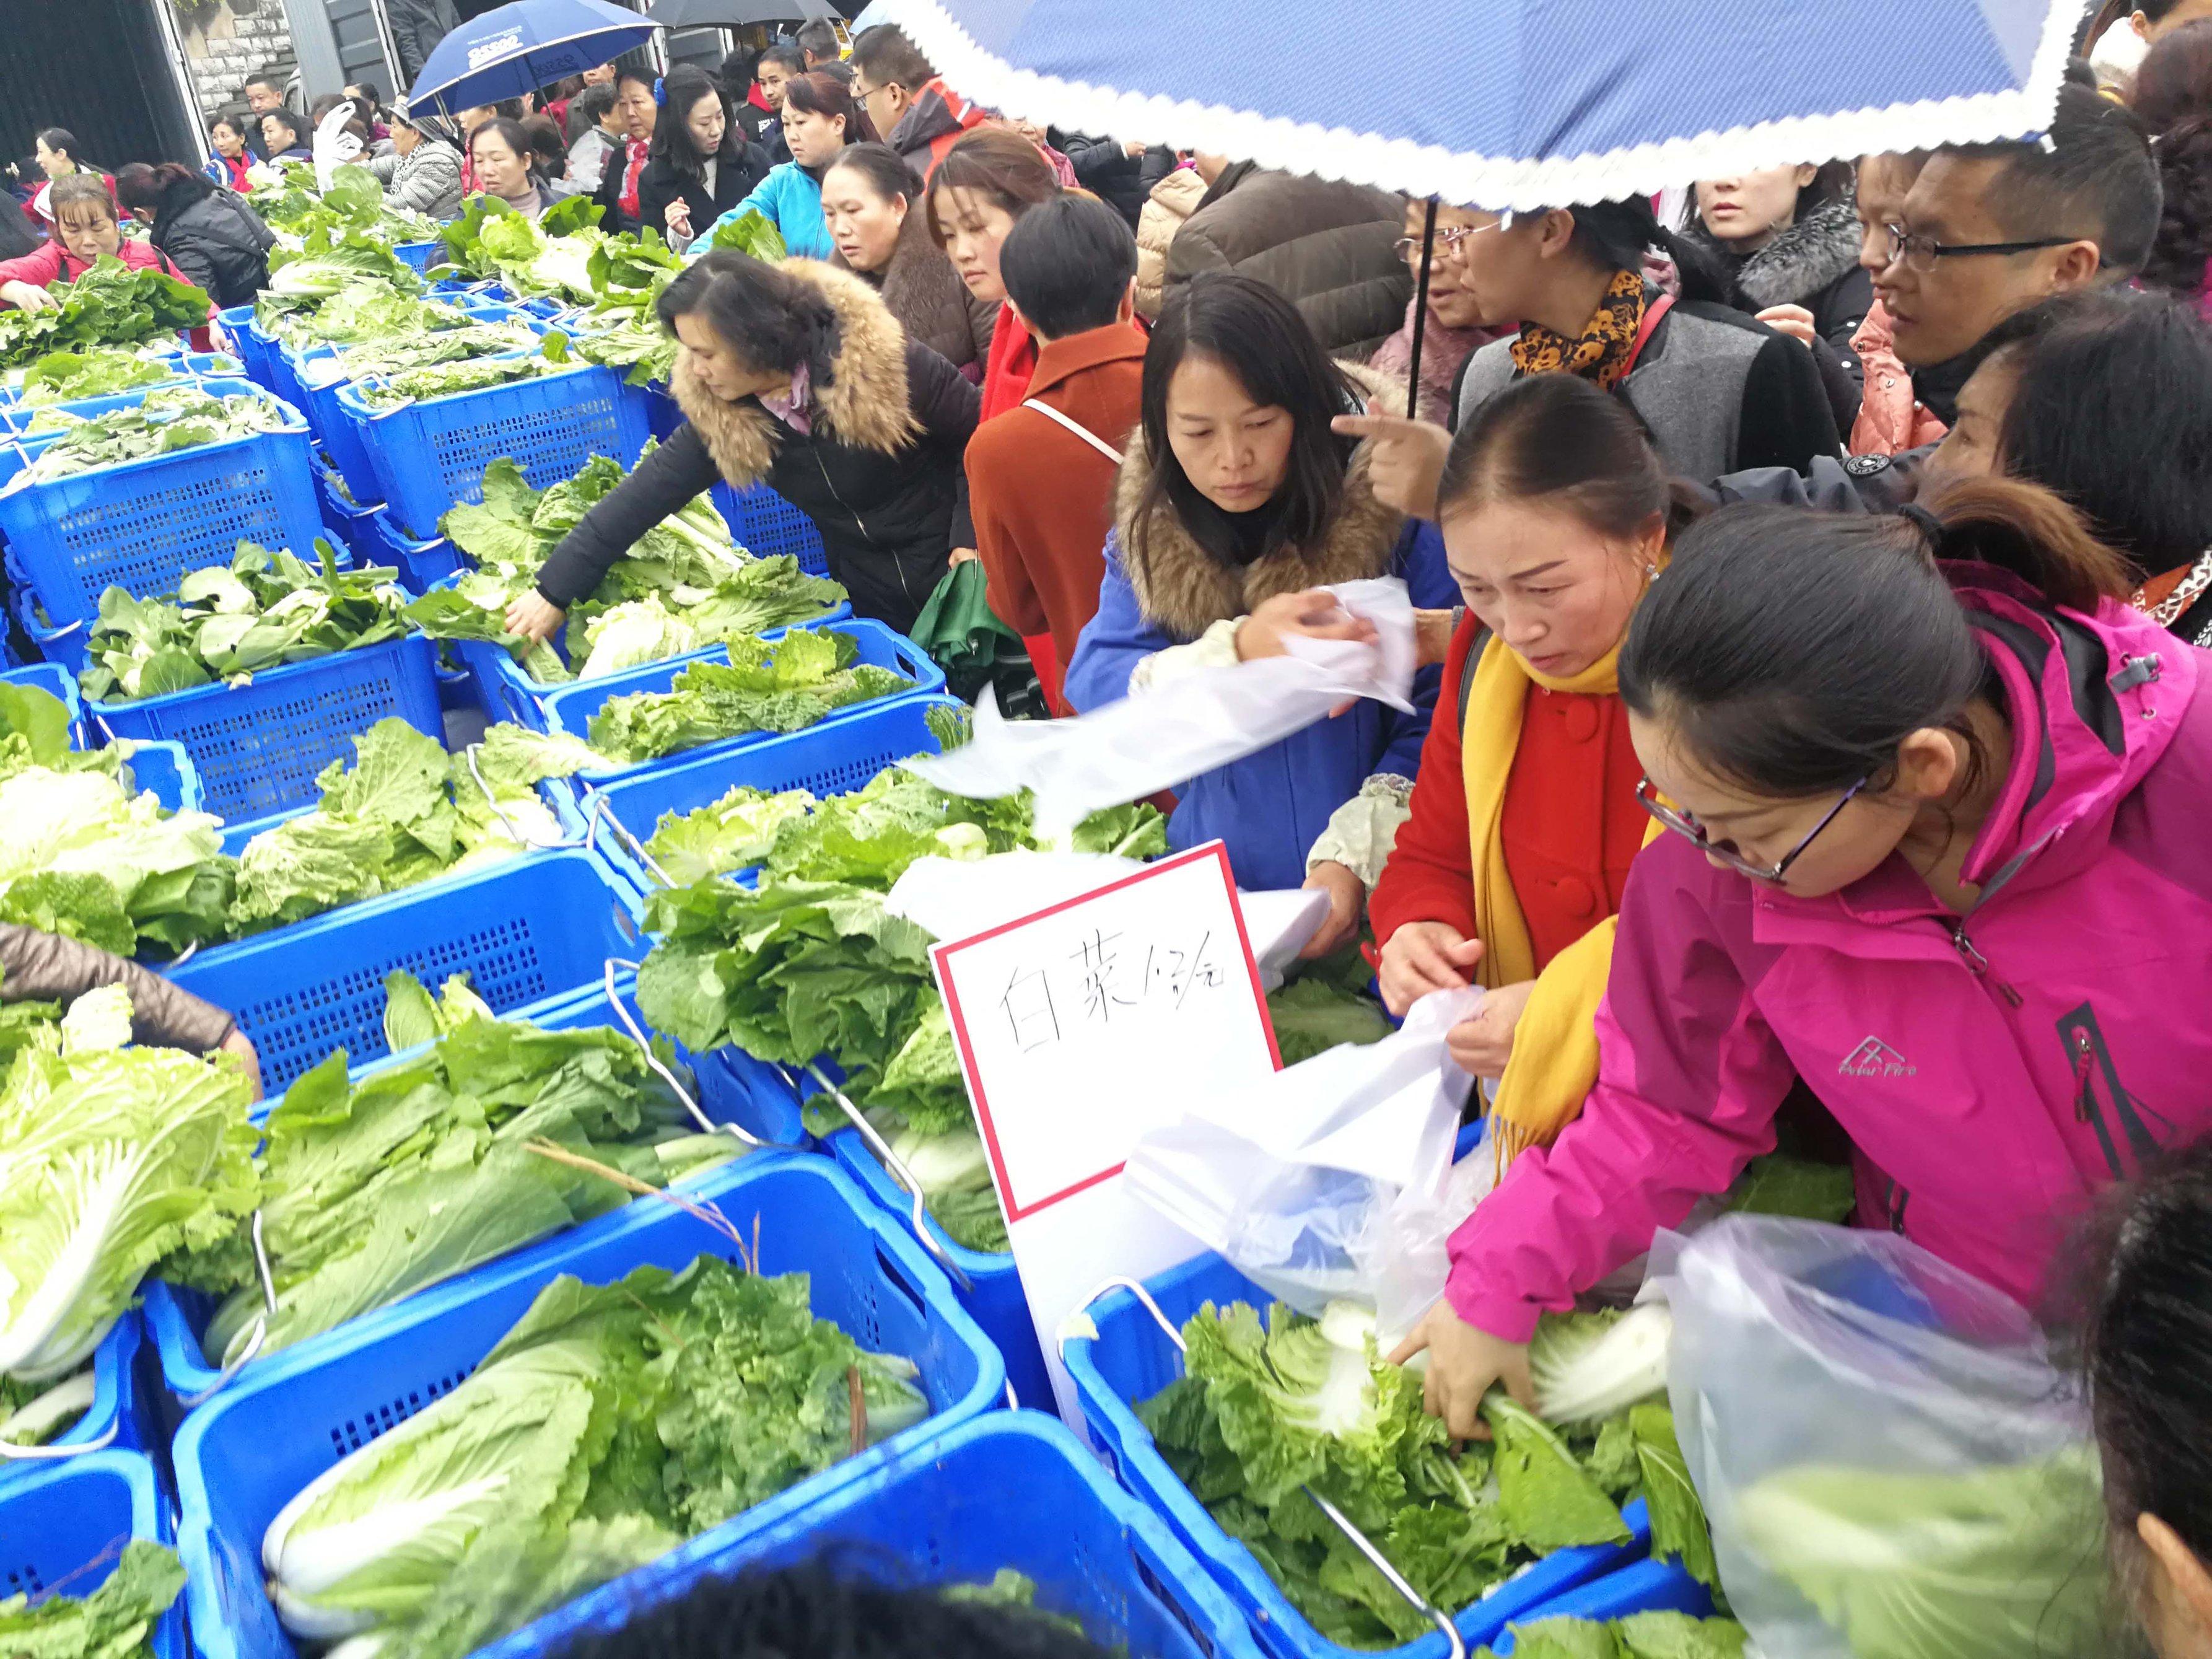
column 1313, row 614
column 1463, row 1364
column 533, row 616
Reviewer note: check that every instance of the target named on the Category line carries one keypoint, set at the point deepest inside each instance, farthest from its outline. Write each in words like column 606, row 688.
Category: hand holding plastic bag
column 1138, row 745
column 1892, row 1467
column 333, row 145
column 1334, row 1180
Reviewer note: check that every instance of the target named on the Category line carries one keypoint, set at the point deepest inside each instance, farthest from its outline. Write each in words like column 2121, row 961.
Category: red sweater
column 1043, row 499
column 45, row 265
column 1570, row 823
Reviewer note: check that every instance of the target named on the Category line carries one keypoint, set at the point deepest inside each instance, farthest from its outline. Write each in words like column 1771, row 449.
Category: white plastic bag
column 1892, row 1467
column 1138, row 746
column 1334, row 1180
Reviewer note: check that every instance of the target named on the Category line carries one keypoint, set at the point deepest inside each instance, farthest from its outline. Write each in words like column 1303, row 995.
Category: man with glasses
column 1987, row 230
column 906, row 98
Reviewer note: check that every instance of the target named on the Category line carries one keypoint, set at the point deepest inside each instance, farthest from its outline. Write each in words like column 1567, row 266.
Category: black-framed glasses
column 1920, row 253
column 1687, row 826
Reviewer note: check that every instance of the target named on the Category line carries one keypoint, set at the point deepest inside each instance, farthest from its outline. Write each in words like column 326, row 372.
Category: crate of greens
column 65, row 377
column 574, row 1413
column 750, row 690
column 431, row 432
column 1490, row 1534
column 138, row 495
column 85, row 1563
column 685, row 586
column 355, row 1220
column 109, row 305
column 263, row 668
column 1006, row 1511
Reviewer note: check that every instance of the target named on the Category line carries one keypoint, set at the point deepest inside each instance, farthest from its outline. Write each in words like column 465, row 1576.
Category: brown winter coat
column 922, row 290
column 1330, row 248
column 42, row 967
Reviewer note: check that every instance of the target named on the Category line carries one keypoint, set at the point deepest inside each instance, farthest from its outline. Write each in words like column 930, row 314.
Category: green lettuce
column 94, row 372
column 166, row 419
column 115, row 1621
column 781, row 686
column 109, row 305
column 1639, row 1635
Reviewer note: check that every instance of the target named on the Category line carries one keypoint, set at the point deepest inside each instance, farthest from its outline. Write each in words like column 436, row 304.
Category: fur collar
column 1800, row 261
column 1185, row 590
column 862, row 402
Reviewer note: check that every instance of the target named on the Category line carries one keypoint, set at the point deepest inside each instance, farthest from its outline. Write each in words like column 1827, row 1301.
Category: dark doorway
column 99, row 68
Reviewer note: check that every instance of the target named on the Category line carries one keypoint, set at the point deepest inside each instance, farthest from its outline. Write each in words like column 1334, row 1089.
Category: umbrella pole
column 1420, row 313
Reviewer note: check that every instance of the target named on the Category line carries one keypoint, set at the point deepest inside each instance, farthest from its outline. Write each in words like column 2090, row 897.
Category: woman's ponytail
column 2027, row 531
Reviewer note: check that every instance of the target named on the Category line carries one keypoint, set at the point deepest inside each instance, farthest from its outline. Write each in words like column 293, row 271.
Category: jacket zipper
column 861, row 525
column 2085, row 1101
column 1979, row 964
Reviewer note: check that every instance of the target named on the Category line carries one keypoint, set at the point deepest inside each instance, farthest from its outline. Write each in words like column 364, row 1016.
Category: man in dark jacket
column 418, row 26
column 1121, row 175
column 1330, row 248
column 210, row 234
column 918, row 114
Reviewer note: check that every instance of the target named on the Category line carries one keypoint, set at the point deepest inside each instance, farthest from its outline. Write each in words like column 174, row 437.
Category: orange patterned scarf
column 1601, row 352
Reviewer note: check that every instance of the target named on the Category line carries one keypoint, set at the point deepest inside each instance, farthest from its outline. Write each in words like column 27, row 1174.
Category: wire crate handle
column 600, row 815
column 260, row 1336
column 529, row 843
column 1359, row 1540
column 707, row 1124
column 891, row 1161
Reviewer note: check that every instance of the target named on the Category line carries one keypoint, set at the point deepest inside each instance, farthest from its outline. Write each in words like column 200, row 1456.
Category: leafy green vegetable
column 702, row 586
column 1780, row 1185
column 423, row 1168
column 166, row 419
column 330, row 258
column 610, row 1422
column 1262, row 1415
column 752, row 233
column 39, row 1413
column 288, row 198
column 362, row 312
column 403, row 813
column 412, row 1015
column 110, row 304
column 549, row 255
column 116, row 1621
column 1639, row 1635
column 383, row 358
column 1311, row 1016
column 109, row 1159
column 1591, row 1366
column 732, row 833
column 83, row 854
column 451, row 380
column 781, row 685
column 2002, row 1561
column 92, row 371
column 1679, row 1528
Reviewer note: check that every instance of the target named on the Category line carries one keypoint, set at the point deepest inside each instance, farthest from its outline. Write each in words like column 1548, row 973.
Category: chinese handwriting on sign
column 1099, row 986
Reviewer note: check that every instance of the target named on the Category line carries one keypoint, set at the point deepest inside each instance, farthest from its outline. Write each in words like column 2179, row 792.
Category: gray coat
column 427, row 179
column 418, row 26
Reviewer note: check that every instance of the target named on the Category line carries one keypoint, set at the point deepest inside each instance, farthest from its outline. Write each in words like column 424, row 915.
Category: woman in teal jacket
column 819, row 120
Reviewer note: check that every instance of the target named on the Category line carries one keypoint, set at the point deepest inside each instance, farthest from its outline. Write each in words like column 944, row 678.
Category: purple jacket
column 1993, row 1074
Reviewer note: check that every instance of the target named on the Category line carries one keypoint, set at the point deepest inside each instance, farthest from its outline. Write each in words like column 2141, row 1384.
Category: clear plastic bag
column 1334, row 1180
column 1892, row 1467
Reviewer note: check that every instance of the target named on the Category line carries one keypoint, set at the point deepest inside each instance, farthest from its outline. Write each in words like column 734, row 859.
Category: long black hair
column 680, row 91
column 1792, row 651
column 775, row 321
column 1612, row 235
column 2174, row 97
column 1258, row 336
column 2112, row 407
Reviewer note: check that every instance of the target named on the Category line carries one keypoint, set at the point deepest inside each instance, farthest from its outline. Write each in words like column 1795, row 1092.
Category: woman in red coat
column 1556, row 516
column 86, row 227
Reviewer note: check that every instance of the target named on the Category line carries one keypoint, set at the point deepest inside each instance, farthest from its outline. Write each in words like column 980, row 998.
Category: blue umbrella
column 1512, row 104
column 516, row 48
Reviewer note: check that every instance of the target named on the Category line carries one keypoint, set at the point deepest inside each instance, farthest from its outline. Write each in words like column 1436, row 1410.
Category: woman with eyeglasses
column 1935, row 797
column 1457, row 325
column 1556, row 516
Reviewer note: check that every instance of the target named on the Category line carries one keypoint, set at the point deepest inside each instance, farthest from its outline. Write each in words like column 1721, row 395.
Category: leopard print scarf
column 1601, row 354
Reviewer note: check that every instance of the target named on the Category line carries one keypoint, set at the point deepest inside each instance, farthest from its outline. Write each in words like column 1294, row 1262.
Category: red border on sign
column 1213, row 850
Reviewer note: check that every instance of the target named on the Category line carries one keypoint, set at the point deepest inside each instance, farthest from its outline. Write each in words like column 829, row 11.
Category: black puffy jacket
column 216, row 240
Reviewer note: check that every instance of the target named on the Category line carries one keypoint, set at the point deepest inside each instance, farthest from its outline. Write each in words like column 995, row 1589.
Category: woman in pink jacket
column 1939, row 850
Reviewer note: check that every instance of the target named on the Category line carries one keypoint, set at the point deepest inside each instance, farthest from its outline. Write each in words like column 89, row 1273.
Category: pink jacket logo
column 1874, row 1058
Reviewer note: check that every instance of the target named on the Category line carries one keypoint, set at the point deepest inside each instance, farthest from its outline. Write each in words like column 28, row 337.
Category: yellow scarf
column 1601, row 352
column 1554, row 1061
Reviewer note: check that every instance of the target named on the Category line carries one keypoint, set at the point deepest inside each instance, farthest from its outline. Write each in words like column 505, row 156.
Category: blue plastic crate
column 165, row 772
column 117, row 1418
column 1131, row 1359
column 16, row 411
column 144, row 525
column 243, row 1455
column 282, row 379
column 259, row 747
column 571, row 709
column 421, row 565
column 177, row 1318
column 525, row 930
column 1012, row 1490
column 355, row 526
column 58, row 1522
column 251, row 347
column 419, row 257
column 430, row 456
column 1647, row 1587
column 762, row 522
column 334, row 428
column 57, row 683
column 823, row 760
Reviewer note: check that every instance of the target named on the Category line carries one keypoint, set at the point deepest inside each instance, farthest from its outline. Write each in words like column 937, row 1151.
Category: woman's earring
column 1650, row 573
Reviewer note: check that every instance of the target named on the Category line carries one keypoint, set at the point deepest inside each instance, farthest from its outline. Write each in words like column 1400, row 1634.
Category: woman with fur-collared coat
column 1236, row 502
column 797, row 376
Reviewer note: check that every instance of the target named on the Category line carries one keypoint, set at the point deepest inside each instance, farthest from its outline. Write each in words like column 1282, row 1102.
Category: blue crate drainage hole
column 843, row 777
column 537, row 439
column 139, row 542
column 1167, row 1599
column 501, row 959
column 354, row 1433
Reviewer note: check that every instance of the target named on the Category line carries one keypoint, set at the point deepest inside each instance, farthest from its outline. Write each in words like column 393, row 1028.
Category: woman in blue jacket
column 819, row 120
column 1234, row 502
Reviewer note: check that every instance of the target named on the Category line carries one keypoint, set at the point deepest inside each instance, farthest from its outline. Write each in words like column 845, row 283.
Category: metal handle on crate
column 1358, row 1539
column 10, row 1452
column 63, row 633
column 528, row 843
column 260, row 1325
column 891, row 1161
column 630, row 844
column 707, row 1124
